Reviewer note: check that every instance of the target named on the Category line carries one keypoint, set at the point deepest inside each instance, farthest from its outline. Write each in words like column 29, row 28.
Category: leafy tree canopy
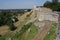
column 54, row 5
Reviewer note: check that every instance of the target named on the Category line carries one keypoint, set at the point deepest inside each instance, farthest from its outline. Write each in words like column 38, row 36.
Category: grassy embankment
column 51, row 35
column 32, row 33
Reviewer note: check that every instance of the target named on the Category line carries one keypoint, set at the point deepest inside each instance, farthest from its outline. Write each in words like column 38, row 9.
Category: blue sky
column 20, row 4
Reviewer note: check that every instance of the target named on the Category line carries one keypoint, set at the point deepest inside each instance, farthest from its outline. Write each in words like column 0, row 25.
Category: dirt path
column 43, row 32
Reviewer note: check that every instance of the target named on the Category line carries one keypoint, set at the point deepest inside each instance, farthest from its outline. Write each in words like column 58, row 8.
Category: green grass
column 19, row 34
column 33, row 32
column 52, row 32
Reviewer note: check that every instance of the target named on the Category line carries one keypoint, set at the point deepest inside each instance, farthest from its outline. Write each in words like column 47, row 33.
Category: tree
column 5, row 19
column 54, row 1
column 47, row 4
column 54, row 5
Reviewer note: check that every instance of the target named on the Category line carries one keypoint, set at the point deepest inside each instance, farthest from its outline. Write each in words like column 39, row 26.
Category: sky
column 20, row 4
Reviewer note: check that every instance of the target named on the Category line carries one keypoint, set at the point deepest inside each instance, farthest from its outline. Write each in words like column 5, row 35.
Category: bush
column 12, row 28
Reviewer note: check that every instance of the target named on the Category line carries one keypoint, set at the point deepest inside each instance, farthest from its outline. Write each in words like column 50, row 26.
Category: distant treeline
column 14, row 10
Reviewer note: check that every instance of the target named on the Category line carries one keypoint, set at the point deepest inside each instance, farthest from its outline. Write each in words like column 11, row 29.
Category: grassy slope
column 52, row 32
column 19, row 35
column 21, row 32
column 33, row 32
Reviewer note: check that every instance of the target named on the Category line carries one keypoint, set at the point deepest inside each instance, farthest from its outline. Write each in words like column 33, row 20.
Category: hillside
column 34, row 25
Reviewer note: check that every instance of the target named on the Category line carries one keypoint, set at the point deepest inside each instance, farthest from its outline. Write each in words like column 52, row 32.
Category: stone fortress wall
column 46, row 14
